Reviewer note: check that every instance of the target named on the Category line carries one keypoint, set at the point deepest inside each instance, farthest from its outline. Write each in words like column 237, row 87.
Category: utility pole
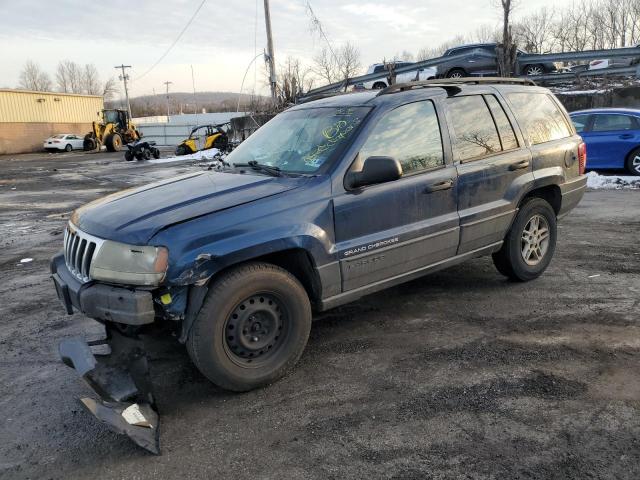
column 124, row 77
column 271, row 60
column 167, row 84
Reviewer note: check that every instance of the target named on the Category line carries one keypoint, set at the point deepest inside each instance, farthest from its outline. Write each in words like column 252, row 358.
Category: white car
column 64, row 141
column 425, row 73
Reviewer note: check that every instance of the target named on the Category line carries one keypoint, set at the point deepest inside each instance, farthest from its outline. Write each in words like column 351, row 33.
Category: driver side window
column 410, row 134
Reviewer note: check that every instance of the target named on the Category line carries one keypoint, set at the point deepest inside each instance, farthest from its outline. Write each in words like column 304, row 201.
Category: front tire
column 114, row 142
column 252, row 328
column 379, row 86
column 182, row 150
column 68, row 148
column 456, row 73
column 530, row 243
column 632, row 164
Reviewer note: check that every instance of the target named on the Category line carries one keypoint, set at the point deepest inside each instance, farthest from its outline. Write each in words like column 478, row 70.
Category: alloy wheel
column 635, row 164
column 535, row 240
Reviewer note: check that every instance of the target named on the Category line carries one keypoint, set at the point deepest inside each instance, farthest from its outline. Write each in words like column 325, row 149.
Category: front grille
column 79, row 250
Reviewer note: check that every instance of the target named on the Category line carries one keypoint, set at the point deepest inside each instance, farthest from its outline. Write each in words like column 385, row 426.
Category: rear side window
column 580, row 122
column 410, row 134
column 605, row 123
column 539, row 116
column 378, row 69
column 507, row 135
column 474, row 133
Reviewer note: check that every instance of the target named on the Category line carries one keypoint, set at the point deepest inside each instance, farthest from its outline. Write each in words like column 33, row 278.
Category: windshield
column 111, row 116
column 300, row 141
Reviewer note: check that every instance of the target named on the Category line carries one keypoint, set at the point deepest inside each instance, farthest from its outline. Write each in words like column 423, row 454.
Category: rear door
column 610, row 138
column 388, row 230
column 491, row 165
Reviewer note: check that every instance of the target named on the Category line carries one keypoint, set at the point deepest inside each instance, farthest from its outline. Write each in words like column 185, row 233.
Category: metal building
column 27, row 118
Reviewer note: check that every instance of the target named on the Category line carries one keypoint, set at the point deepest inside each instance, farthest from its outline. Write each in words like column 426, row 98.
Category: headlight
column 120, row 263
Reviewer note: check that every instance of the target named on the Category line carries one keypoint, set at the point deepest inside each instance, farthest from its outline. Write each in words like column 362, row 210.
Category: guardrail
column 524, row 59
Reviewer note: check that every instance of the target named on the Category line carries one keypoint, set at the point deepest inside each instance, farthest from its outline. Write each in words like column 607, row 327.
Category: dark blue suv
column 331, row 200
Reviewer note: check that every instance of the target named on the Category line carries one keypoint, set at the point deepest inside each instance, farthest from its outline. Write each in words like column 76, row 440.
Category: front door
column 392, row 229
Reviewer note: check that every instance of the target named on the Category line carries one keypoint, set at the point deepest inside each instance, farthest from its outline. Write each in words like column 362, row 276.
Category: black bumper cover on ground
column 121, row 380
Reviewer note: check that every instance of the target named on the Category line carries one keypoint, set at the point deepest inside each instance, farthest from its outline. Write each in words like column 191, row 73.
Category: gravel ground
column 458, row 375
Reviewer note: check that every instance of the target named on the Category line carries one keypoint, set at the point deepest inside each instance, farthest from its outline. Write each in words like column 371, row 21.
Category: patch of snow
column 612, row 182
column 581, row 92
column 26, row 260
column 198, row 156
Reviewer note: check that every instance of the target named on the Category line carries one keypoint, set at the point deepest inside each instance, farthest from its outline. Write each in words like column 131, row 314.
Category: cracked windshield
column 301, row 140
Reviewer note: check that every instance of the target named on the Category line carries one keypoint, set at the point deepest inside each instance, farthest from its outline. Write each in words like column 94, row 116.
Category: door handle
column 626, row 136
column 436, row 187
column 519, row 165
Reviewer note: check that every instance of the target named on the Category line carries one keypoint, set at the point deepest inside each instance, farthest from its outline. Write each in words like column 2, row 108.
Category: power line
column 175, row 41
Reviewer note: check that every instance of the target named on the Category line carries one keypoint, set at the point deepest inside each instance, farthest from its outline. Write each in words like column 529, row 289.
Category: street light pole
column 272, row 63
column 167, row 83
column 124, row 77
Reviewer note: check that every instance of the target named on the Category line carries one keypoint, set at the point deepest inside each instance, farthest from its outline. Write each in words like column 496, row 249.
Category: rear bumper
column 99, row 301
column 572, row 192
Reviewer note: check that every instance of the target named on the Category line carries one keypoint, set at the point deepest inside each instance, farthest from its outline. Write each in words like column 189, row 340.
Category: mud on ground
column 457, row 375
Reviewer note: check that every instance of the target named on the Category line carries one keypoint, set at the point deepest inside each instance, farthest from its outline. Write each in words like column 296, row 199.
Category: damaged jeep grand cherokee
column 331, row 200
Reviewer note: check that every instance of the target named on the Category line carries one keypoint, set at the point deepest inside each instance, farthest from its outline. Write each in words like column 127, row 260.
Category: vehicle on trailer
column 141, row 150
column 612, row 136
column 480, row 59
column 204, row 137
column 63, row 141
column 114, row 129
column 329, row 201
column 424, row 73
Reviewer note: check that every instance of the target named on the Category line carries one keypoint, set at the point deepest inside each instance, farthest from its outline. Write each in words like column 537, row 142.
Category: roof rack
column 451, row 85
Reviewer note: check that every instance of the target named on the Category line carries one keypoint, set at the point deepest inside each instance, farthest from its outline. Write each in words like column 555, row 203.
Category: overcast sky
column 220, row 43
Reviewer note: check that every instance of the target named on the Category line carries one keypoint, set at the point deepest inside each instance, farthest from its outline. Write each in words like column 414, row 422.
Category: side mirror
column 375, row 170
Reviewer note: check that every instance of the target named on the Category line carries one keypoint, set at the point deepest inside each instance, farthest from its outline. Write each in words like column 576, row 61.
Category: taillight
column 582, row 158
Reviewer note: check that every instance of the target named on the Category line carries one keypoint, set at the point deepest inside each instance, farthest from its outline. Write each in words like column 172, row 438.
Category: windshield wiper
column 261, row 167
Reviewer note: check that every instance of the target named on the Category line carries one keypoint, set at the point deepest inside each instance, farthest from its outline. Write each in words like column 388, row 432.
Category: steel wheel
column 255, row 330
column 535, row 240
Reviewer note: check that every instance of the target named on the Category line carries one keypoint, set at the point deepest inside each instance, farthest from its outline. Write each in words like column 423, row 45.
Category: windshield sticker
column 333, row 135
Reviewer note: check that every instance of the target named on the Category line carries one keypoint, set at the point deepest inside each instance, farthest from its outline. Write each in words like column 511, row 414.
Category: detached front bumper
column 121, row 381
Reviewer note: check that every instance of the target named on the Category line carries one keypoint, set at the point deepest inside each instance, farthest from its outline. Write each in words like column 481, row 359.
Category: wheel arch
column 550, row 193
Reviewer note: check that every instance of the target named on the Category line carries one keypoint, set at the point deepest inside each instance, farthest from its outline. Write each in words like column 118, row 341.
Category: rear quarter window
column 474, row 133
column 539, row 117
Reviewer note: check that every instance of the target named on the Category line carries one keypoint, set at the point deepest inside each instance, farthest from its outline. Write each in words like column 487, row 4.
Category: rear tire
column 379, row 86
column 113, row 142
column 632, row 164
column 533, row 70
column 530, row 243
column 252, row 328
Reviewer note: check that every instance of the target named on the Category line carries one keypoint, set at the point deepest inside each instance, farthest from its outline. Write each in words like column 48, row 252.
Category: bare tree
column 534, row 33
column 91, row 84
column 325, row 65
column 109, row 88
column 506, row 49
column 294, row 80
column 348, row 59
column 33, row 78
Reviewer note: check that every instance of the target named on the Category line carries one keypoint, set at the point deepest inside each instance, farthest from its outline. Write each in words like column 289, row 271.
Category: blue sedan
column 612, row 136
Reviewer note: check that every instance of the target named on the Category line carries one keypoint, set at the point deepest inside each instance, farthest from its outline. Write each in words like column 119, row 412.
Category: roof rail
column 451, row 84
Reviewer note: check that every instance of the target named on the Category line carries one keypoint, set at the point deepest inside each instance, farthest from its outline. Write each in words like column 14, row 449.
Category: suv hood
column 133, row 216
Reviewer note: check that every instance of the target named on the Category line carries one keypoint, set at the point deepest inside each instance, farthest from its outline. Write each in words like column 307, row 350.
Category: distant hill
column 185, row 102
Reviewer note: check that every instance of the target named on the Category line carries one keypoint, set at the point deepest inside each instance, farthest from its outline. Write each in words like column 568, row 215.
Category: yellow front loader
column 113, row 130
